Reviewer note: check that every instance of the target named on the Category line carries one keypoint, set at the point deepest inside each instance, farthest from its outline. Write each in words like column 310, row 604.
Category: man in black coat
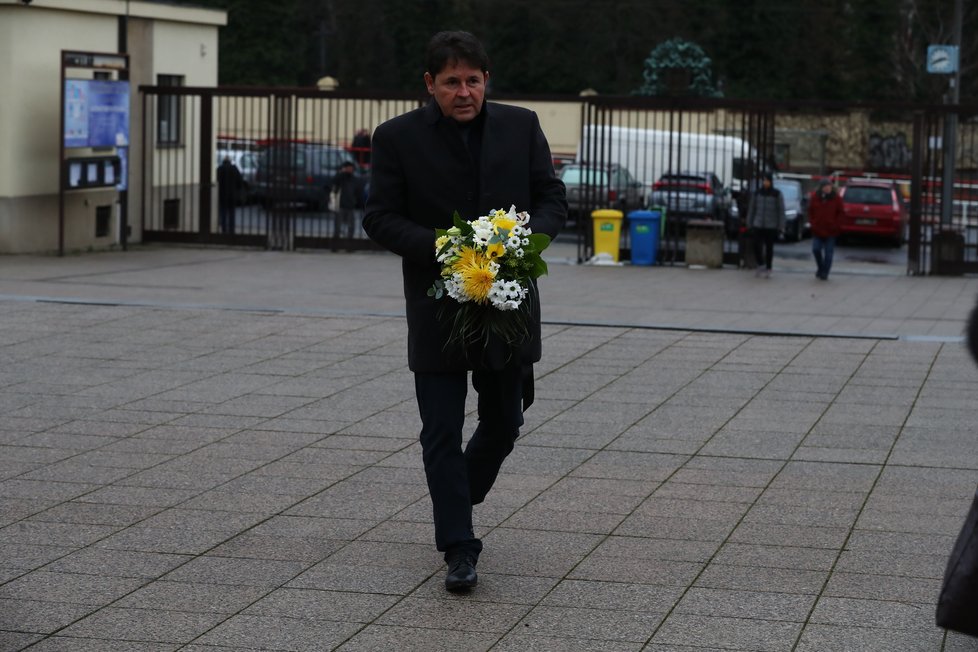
column 350, row 189
column 462, row 154
column 229, row 184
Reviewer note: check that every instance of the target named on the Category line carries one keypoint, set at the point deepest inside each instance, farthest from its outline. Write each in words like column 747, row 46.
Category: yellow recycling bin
column 607, row 231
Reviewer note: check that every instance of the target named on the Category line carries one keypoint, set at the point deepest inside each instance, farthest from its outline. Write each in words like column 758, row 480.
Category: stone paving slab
column 178, row 475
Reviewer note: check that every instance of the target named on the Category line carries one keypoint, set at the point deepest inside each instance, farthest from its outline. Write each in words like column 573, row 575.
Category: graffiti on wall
column 889, row 152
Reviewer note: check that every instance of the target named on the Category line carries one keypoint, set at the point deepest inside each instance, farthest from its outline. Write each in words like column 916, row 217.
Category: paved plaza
column 214, row 450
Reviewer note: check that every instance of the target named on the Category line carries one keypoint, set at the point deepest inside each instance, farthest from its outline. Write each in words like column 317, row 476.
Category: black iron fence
column 286, row 146
column 687, row 158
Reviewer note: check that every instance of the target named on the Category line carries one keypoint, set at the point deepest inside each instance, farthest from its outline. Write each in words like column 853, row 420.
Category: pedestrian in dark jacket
column 825, row 213
column 350, row 189
column 460, row 153
column 229, row 185
column 765, row 219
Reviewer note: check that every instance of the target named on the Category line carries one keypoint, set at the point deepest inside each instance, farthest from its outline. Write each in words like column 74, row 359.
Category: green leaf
column 539, row 241
column 437, row 289
column 461, row 224
column 444, row 248
column 539, row 268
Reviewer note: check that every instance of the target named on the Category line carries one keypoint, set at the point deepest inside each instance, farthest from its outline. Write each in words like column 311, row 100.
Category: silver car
column 795, row 213
column 608, row 186
column 692, row 194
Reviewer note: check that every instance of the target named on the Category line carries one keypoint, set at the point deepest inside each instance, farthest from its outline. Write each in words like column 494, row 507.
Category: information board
column 96, row 113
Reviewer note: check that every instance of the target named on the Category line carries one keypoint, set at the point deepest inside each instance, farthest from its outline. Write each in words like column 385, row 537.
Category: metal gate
column 802, row 143
column 287, row 144
column 943, row 232
column 695, row 160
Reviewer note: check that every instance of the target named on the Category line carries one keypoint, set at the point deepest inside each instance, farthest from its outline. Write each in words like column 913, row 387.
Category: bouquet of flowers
column 487, row 267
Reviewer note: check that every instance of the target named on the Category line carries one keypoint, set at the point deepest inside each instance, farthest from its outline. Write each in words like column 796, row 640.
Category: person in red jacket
column 825, row 214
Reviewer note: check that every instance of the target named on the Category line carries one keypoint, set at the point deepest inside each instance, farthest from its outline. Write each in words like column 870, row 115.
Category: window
column 584, row 176
column 169, row 109
column 171, row 214
column 103, row 221
column 868, row 195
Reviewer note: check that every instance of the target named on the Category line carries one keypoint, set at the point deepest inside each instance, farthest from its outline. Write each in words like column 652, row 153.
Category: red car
column 873, row 208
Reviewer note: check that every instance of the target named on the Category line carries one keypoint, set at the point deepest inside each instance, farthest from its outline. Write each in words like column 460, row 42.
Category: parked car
column 873, row 208
column 795, row 209
column 692, row 195
column 608, row 186
column 298, row 173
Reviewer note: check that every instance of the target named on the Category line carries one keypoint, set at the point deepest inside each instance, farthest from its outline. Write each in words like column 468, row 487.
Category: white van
column 650, row 153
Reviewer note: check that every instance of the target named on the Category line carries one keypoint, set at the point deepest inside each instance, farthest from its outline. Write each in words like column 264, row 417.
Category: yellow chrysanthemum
column 441, row 242
column 477, row 275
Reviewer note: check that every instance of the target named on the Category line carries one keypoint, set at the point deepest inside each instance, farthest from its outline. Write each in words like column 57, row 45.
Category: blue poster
column 96, row 113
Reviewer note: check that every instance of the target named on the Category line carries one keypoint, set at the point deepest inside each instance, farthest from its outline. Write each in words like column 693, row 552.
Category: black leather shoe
column 461, row 573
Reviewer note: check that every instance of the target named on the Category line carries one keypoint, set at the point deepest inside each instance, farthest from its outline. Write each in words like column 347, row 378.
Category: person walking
column 350, row 189
column 765, row 219
column 460, row 153
column 361, row 146
column 229, row 184
column 825, row 213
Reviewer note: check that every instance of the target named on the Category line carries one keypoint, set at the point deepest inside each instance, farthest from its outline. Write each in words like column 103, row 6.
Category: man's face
column 459, row 90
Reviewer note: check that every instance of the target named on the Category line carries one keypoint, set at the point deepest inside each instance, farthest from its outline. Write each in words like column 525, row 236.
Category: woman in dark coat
column 765, row 219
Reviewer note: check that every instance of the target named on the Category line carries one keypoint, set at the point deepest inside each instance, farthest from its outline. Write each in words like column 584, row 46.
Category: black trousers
column 459, row 479
column 764, row 240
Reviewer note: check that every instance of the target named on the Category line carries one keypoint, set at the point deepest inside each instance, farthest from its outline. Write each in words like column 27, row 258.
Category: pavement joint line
column 549, row 322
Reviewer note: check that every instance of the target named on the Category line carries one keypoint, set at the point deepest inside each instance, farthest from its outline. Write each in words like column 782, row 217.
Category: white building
column 167, row 44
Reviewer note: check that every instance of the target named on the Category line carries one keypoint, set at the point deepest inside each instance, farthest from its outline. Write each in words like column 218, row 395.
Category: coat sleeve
column 782, row 220
column 385, row 218
column 751, row 210
column 548, row 212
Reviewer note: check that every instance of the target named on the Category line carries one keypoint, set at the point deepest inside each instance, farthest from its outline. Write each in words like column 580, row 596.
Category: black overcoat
column 421, row 173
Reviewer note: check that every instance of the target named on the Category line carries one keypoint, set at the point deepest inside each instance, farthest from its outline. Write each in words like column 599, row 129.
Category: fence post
column 916, row 190
column 206, row 161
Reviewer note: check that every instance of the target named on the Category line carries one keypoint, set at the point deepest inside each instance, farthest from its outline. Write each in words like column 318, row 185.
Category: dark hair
column 453, row 47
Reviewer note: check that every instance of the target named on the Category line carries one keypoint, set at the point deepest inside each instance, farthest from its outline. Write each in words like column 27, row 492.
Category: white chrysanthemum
column 482, row 233
column 507, row 295
column 448, row 255
column 526, row 242
column 513, row 242
column 518, row 253
column 455, row 288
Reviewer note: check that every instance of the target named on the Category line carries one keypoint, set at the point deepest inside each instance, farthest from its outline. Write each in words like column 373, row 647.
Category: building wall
column 163, row 38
